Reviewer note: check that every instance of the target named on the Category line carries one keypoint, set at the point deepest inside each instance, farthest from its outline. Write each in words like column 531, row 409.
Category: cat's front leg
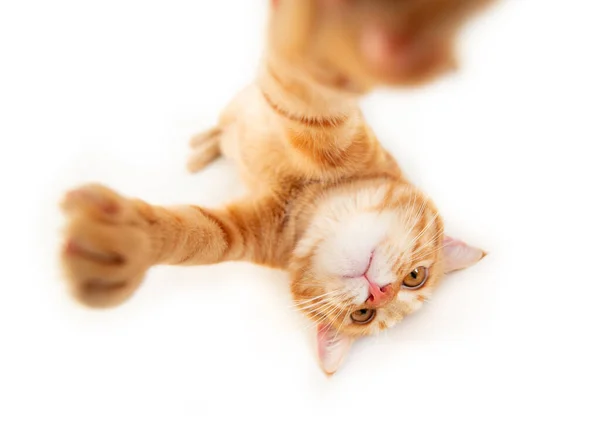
column 111, row 241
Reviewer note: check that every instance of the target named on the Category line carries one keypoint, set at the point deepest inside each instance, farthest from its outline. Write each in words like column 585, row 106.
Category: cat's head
column 372, row 253
column 355, row 45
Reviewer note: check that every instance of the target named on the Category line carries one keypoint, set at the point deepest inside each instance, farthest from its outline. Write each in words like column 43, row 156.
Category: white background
column 111, row 90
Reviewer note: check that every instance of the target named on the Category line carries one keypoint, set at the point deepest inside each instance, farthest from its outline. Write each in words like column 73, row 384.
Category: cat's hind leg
column 205, row 149
column 224, row 138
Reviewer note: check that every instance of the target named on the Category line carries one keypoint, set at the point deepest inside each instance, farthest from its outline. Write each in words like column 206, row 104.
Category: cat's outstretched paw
column 205, row 149
column 107, row 248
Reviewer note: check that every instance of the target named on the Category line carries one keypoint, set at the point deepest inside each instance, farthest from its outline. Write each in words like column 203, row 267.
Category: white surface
column 111, row 91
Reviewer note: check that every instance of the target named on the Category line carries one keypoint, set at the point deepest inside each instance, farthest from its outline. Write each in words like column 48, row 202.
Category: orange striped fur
column 327, row 203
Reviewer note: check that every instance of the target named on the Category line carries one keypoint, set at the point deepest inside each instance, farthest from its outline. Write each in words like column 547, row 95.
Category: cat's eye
column 416, row 278
column 363, row 316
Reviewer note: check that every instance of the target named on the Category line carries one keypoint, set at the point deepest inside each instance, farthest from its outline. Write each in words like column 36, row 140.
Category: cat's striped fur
column 326, row 202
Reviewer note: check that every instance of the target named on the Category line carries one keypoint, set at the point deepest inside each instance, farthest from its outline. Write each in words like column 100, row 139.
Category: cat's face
column 355, row 45
column 372, row 254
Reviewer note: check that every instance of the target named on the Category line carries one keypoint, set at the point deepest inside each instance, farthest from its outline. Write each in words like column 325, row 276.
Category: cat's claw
column 106, row 249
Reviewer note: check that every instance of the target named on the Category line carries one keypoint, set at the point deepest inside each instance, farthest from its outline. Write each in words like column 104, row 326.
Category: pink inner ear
column 332, row 348
column 458, row 255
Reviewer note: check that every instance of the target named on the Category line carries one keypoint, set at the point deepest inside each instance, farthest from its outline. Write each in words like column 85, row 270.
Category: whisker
column 315, row 306
column 324, row 309
column 413, row 258
column 421, row 233
column 318, row 307
column 307, row 301
column 342, row 308
column 435, row 236
column 415, row 218
column 413, row 198
column 345, row 318
column 325, row 316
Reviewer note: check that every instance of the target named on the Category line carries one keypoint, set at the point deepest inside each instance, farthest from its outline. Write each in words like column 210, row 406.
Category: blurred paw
column 107, row 248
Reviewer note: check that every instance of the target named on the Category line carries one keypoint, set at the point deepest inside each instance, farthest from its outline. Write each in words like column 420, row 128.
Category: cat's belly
column 255, row 153
column 252, row 141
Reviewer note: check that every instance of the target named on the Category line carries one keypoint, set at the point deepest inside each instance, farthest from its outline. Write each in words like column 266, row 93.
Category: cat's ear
column 332, row 348
column 458, row 255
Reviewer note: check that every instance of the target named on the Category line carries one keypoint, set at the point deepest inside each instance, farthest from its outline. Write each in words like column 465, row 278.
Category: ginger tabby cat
column 363, row 246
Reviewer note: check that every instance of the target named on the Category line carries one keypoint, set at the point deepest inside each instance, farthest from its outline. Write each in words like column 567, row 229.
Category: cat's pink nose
column 378, row 295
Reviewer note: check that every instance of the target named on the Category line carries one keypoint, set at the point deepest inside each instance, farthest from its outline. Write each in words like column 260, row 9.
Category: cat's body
column 326, row 202
column 272, row 141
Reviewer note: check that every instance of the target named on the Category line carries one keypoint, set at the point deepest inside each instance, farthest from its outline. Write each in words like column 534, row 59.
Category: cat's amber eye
column 363, row 316
column 416, row 278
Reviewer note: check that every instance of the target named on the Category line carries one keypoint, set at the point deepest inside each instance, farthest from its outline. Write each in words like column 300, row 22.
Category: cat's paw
column 107, row 248
column 205, row 149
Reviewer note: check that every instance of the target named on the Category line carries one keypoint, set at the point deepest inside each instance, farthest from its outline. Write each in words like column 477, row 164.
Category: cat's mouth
column 364, row 269
column 377, row 294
